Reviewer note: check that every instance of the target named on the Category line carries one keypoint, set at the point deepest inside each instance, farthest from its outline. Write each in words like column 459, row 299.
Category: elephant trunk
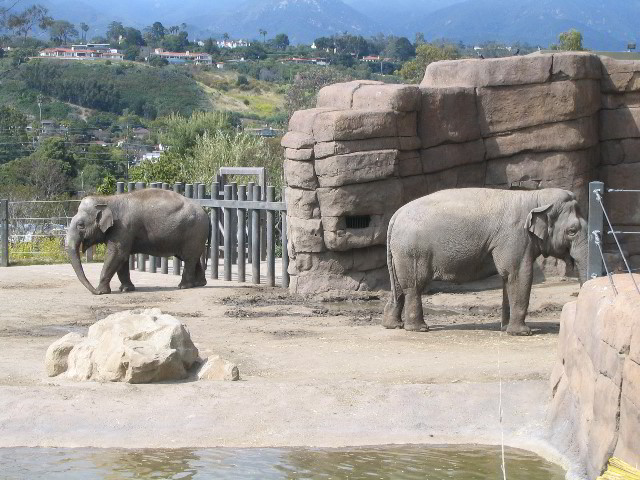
column 74, row 254
column 578, row 253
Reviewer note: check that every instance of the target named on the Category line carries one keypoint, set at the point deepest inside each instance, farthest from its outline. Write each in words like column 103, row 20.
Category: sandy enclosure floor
column 315, row 371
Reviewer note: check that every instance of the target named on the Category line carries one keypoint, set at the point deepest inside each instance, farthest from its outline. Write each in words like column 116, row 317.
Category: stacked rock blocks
column 543, row 120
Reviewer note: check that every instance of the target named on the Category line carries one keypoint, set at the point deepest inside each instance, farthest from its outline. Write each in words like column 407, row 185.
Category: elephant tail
column 393, row 278
column 207, row 247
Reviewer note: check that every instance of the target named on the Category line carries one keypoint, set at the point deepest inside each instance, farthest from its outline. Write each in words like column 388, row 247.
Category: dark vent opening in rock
column 358, row 221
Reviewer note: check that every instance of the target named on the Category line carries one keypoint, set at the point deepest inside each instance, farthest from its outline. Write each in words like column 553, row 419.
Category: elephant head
column 559, row 229
column 88, row 227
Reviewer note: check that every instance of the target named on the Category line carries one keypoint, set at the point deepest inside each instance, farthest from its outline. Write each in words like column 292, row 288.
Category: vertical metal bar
column 196, row 189
column 227, row 234
column 595, row 224
column 4, row 233
column 255, row 241
column 141, row 257
column 164, row 261
column 285, row 251
column 242, row 196
column 119, row 187
column 250, row 186
column 131, row 186
column 234, row 224
column 271, row 244
column 201, row 190
column 177, row 187
column 152, row 259
column 188, row 190
column 215, row 234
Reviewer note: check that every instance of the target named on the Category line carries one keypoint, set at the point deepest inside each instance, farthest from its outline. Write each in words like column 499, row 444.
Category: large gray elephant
column 467, row 234
column 151, row 221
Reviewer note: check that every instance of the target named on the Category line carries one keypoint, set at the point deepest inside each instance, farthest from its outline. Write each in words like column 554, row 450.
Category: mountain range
column 605, row 25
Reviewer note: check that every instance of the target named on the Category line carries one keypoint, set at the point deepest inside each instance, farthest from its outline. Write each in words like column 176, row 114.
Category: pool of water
column 386, row 462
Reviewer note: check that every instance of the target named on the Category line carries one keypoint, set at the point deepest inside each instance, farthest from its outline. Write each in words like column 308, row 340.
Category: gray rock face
column 134, row 346
column 527, row 122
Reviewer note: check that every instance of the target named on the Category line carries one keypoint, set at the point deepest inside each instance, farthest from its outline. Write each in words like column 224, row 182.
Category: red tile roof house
column 183, row 57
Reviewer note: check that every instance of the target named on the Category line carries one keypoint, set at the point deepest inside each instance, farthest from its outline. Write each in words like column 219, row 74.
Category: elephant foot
column 519, row 329
column 416, row 327
column 392, row 317
column 103, row 289
column 127, row 288
column 184, row 285
column 201, row 283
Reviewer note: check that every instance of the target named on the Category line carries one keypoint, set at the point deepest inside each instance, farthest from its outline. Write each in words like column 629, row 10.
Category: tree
column 114, row 31
column 264, row 35
column 62, row 31
column 569, row 40
column 132, row 37
column 157, row 61
column 24, row 22
column 155, row 33
column 85, row 28
column 225, row 36
column 281, row 41
column 324, row 43
column 427, row 53
column 211, row 47
column 399, row 48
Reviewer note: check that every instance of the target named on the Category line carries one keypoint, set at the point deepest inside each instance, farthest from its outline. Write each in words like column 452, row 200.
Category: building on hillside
column 308, row 61
column 99, row 47
column 372, row 58
column 220, row 65
column 81, row 53
column 264, row 132
column 198, row 58
column 232, row 43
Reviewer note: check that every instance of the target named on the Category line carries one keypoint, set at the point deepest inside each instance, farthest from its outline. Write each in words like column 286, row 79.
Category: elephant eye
column 80, row 225
column 571, row 231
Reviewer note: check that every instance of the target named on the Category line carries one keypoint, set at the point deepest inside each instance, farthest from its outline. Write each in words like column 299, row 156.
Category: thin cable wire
column 597, row 241
column 615, row 237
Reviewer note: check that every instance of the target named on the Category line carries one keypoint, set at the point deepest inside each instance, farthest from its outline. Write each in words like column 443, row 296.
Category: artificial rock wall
column 595, row 408
column 542, row 120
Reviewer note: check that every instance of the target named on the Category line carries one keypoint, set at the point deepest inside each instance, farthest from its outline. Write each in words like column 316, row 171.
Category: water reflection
column 390, row 462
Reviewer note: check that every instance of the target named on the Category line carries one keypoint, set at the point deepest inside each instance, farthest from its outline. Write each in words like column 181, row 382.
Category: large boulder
column 595, row 385
column 134, row 346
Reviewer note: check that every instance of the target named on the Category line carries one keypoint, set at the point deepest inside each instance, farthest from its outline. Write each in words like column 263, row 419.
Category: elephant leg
column 111, row 265
column 506, row 310
column 392, row 317
column 518, row 288
column 189, row 273
column 414, row 317
column 124, row 276
column 201, row 278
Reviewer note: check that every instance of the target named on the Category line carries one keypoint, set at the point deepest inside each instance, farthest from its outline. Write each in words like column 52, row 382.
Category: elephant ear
column 538, row 222
column 104, row 217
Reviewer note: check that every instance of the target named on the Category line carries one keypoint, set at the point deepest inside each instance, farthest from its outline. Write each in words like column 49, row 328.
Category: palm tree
column 225, row 35
column 85, row 28
column 264, row 35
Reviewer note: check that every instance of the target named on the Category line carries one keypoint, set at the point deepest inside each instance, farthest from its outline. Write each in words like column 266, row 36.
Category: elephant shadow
column 537, row 328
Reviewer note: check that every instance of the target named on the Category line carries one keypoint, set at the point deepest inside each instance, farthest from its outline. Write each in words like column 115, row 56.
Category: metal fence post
column 177, row 187
column 164, row 261
column 4, row 233
column 215, row 234
column 141, row 256
column 242, row 196
column 255, row 241
column 131, row 186
column 250, row 186
column 285, row 250
column 152, row 259
column 595, row 224
column 228, row 223
column 271, row 244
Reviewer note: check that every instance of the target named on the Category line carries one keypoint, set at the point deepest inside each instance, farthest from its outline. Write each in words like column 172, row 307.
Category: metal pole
column 215, row 234
column 152, row 259
column 228, row 192
column 141, row 257
column 119, row 187
column 595, row 224
column 250, row 186
column 4, row 233
column 177, row 187
column 271, row 244
column 164, row 261
column 131, row 186
column 255, row 241
column 234, row 224
column 242, row 196
column 285, row 251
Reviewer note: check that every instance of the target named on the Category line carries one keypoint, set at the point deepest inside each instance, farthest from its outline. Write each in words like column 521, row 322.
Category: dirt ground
column 314, row 371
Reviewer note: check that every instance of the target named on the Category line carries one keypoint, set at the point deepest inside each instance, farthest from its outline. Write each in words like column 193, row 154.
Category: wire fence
column 598, row 215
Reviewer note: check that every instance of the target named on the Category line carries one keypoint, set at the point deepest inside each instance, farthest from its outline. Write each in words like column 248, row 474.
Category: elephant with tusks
column 151, row 221
column 467, row 234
